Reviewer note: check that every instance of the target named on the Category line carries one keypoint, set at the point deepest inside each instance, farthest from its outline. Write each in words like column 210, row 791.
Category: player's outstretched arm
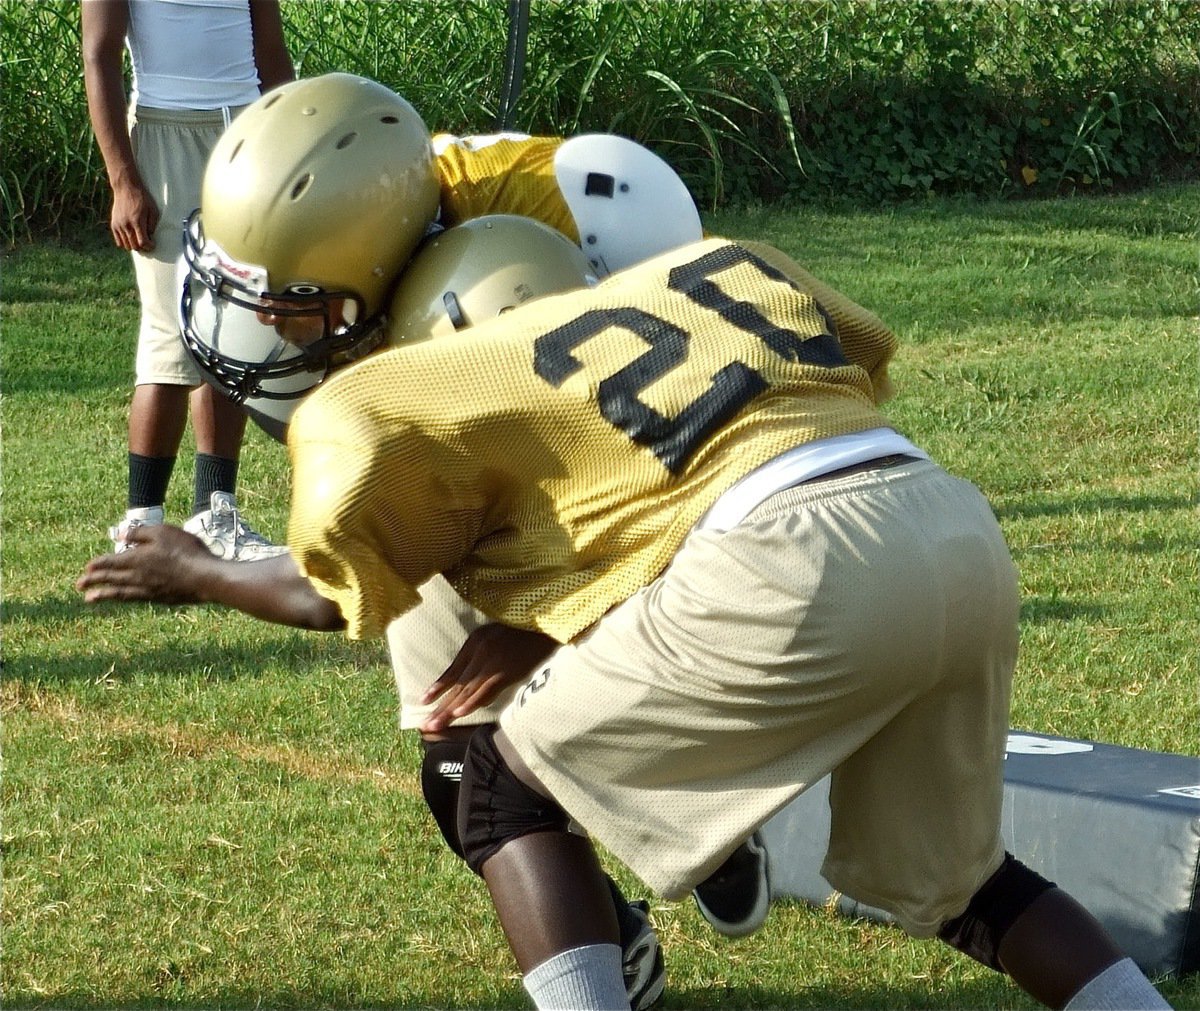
column 170, row 566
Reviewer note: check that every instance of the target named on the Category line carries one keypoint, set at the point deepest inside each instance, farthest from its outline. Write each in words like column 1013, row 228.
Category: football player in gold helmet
column 682, row 477
column 312, row 201
column 267, row 337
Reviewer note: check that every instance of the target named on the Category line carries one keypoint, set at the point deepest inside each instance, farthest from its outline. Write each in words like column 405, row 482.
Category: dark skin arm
column 170, row 566
column 271, row 56
column 134, row 212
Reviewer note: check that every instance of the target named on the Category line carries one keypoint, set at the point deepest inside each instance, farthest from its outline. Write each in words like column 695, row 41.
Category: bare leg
column 548, row 888
column 1055, row 947
column 218, row 423
column 157, row 418
column 551, row 896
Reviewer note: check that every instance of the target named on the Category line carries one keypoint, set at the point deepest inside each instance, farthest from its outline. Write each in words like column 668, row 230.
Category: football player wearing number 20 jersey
column 683, row 476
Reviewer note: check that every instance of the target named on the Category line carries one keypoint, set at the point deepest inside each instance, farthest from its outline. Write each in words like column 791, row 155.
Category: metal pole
column 514, row 62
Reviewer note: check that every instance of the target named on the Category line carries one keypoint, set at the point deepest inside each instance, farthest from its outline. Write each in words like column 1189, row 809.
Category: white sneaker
column 222, row 530
column 642, row 962
column 142, row 516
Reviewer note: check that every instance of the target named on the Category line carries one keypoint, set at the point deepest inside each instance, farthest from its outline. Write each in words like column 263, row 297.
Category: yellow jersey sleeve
column 551, row 461
column 863, row 335
column 501, row 173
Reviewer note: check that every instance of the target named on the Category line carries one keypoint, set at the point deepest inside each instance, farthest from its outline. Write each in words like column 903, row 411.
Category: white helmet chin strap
column 628, row 204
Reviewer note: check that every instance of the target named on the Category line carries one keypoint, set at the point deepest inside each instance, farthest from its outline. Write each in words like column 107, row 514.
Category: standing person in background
column 195, row 65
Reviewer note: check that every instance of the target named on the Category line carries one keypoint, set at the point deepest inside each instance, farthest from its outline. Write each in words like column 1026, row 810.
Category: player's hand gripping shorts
column 422, row 643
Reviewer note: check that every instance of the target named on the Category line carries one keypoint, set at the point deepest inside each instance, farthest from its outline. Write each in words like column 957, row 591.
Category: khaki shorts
column 864, row 626
column 171, row 147
column 422, row 643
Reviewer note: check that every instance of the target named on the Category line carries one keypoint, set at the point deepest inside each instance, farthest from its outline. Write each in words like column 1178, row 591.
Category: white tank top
column 191, row 54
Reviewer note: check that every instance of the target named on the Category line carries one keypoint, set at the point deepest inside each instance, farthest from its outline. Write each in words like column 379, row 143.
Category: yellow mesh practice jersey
column 551, row 461
column 501, row 173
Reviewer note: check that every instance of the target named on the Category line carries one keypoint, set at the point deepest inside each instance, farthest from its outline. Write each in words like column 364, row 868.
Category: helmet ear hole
column 301, row 186
column 458, row 319
column 599, row 184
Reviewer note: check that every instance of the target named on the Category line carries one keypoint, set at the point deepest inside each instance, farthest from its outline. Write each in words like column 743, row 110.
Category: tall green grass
column 750, row 101
column 203, row 811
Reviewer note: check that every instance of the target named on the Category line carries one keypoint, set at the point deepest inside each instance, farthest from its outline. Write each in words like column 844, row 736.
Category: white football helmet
column 312, row 201
column 628, row 204
column 457, row 278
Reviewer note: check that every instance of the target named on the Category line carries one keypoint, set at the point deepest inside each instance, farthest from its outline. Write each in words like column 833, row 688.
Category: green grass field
column 203, row 811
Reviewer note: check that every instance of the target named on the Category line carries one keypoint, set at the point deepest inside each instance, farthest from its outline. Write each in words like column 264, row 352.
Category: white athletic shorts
column 423, row 641
column 171, row 147
column 861, row 625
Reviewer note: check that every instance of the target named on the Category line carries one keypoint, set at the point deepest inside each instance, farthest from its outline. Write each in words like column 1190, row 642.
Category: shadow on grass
column 1039, row 610
column 994, row 993
column 988, row 993
column 289, row 1000
column 1083, row 504
column 981, row 995
column 61, row 640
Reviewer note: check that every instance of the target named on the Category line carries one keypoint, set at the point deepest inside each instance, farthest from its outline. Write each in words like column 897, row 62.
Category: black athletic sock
column 213, row 473
column 148, row 480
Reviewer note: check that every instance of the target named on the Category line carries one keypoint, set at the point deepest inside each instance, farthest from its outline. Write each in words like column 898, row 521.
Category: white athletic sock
column 582, row 979
column 1120, row 987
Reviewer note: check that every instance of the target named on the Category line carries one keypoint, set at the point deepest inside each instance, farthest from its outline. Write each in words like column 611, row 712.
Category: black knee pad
column 992, row 910
column 441, row 781
column 496, row 807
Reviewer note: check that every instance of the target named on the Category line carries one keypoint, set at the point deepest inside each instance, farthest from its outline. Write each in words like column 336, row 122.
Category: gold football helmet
column 312, row 202
column 478, row 270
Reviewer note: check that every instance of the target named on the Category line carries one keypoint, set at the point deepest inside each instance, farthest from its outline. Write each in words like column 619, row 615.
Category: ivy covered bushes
column 993, row 98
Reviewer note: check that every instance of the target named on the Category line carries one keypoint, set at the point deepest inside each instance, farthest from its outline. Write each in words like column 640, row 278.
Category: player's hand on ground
column 493, row 657
column 165, row 565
